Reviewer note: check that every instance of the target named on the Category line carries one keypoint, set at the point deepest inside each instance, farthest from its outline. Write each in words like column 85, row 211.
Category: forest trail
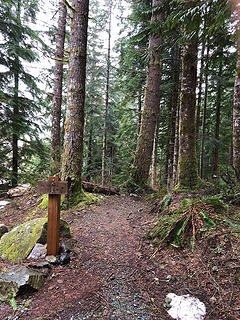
column 113, row 274
column 106, row 278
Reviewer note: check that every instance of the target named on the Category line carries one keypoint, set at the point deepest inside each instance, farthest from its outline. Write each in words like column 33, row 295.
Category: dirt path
column 103, row 280
column 113, row 275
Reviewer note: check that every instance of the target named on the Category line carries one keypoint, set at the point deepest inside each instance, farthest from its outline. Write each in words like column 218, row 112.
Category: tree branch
column 67, row 4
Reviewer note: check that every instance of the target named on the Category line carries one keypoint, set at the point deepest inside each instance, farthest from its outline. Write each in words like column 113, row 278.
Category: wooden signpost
column 54, row 188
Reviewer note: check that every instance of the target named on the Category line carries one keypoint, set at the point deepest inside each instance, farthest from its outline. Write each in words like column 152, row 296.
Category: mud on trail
column 113, row 274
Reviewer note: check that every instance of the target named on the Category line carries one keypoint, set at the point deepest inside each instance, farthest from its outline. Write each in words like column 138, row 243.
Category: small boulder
column 67, row 245
column 19, row 277
column 39, row 251
column 52, row 259
column 16, row 244
column 18, row 191
column 64, row 258
column 3, row 229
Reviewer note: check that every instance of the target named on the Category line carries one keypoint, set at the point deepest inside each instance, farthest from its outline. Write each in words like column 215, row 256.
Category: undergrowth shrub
column 184, row 225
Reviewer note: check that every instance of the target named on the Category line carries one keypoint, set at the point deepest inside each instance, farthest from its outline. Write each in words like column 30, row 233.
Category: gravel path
column 106, row 278
column 114, row 243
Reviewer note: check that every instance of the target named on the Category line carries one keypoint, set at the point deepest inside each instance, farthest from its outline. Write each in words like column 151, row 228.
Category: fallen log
column 97, row 188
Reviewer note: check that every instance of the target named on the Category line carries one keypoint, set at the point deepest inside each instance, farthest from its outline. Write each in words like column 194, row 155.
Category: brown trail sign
column 54, row 188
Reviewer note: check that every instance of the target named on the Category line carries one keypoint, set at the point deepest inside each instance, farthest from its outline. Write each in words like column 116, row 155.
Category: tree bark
column 236, row 119
column 57, row 92
column 176, row 66
column 199, row 101
column 15, row 118
column 89, row 154
column 96, row 188
column 176, row 150
column 217, row 124
column 154, row 156
column 204, row 116
column 187, row 162
column 235, row 150
column 104, row 145
column 74, row 124
column 143, row 155
column 139, row 111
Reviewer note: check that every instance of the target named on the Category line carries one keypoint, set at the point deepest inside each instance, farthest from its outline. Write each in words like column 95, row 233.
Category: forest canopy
column 155, row 105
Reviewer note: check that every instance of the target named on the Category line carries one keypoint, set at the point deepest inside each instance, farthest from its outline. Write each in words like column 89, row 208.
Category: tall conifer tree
column 74, row 125
column 57, row 93
column 143, row 156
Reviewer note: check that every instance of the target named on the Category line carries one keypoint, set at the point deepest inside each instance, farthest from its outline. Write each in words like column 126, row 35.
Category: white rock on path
column 3, row 204
column 185, row 307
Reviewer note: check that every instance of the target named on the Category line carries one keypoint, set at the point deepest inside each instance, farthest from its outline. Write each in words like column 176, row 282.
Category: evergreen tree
column 57, row 93
column 74, row 124
column 142, row 160
column 104, row 146
column 18, row 106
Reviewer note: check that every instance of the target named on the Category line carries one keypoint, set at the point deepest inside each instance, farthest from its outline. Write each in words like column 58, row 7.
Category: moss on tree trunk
column 187, row 162
column 143, row 155
column 74, row 124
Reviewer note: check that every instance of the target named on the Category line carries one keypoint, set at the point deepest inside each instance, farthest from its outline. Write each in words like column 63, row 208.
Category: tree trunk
column 173, row 116
column 187, row 162
column 104, row 145
column 154, row 156
column 74, row 124
column 57, row 92
column 15, row 127
column 200, row 93
column 176, row 150
column 139, row 111
column 217, row 125
column 143, row 155
column 235, row 150
column 15, row 118
column 204, row 116
column 89, row 155
column 236, row 120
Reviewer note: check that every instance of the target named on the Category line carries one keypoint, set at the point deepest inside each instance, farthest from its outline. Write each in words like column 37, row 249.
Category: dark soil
column 113, row 273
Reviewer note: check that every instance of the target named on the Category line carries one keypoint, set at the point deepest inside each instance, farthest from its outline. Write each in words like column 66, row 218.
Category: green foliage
column 216, row 203
column 166, row 202
column 186, row 224
column 43, row 202
column 88, row 199
column 18, row 108
column 13, row 303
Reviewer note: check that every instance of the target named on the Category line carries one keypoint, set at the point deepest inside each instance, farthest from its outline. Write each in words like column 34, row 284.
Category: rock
column 65, row 229
column 39, row 251
column 19, row 242
column 43, row 264
column 18, row 191
column 3, row 203
column 51, row 259
column 64, row 258
column 67, row 245
column 19, row 277
column 3, row 229
column 185, row 307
